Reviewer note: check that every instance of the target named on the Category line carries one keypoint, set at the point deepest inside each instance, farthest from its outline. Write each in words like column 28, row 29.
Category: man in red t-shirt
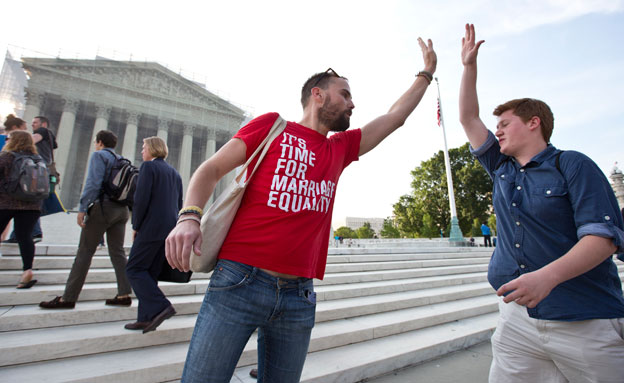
column 278, row 240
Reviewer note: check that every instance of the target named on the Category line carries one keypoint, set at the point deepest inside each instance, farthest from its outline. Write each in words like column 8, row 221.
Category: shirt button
column 517, row 245
column 521, row 170
column 513, row 204
column 607, row 218
column 519, row 188
column 502, row 176
column 517, row 223
column 548, row 192
column 522, row 266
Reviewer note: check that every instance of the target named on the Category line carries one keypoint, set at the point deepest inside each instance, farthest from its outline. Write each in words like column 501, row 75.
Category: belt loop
column 254, row 271
column 300, row 287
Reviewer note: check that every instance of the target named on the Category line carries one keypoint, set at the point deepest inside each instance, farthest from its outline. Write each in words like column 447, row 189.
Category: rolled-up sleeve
column 596, row 210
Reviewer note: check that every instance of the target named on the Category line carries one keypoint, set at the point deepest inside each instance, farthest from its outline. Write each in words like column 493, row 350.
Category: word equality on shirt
column 290, row 190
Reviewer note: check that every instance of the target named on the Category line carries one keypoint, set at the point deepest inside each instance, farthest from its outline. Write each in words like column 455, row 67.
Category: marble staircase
column 378, row 310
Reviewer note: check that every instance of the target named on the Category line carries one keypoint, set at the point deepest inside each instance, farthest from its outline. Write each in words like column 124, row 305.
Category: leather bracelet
column 188, row 218
column 189, row 213
column 427, row 75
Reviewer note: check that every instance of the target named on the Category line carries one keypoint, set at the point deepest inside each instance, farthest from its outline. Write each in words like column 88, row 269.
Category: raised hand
column 470, row 49
column 429, row 56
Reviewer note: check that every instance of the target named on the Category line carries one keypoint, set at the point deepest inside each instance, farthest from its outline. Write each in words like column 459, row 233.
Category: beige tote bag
column 218, row 219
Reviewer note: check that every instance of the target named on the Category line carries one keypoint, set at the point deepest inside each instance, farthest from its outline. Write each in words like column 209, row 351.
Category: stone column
column 186, row 154
column 65, row 133
column 163, row 129
column 211, row 144
column 102, row 114
column 34, row 102
column 130, row 137
column 211, row 149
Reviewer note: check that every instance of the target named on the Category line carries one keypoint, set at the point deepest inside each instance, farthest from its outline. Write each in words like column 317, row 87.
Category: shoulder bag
column 218, row 219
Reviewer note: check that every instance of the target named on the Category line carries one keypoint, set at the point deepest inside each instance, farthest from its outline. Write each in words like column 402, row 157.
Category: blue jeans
column 239, row 300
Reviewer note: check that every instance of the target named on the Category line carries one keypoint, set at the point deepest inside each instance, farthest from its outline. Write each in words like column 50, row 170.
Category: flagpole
column 456, row 234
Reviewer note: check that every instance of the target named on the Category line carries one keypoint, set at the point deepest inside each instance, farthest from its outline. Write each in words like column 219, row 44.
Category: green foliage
column 429, row 229
column 365, row 231
column 388, row 229
column 345, row 232
column 491, row 222
column 476, row 228
column 420, row 213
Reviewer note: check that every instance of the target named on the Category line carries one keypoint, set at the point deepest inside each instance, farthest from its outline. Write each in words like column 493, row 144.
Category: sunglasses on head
column 329, row 72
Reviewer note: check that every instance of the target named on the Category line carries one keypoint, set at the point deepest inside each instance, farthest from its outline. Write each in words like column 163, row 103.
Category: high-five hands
column 470, row 48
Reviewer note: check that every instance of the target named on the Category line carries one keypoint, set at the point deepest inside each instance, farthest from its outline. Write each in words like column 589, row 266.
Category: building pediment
column 149, row 78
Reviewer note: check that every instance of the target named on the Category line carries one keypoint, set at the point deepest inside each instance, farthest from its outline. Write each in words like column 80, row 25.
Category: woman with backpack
column 24, row 213
column 10, row 124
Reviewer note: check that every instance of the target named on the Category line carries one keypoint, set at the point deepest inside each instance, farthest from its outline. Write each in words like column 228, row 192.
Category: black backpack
column 29, row 179
column 120, row 182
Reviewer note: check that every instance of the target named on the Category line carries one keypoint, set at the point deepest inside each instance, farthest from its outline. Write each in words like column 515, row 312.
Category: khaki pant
column 112, row 221
column 532, row 350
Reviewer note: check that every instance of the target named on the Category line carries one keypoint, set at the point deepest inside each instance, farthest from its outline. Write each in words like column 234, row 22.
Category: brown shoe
column 56, row 303
column 136, row 325
column 158, row 319
column 254, row 373
column 127, row 301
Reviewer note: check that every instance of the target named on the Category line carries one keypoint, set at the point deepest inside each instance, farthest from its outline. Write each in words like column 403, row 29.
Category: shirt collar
column 539, row 158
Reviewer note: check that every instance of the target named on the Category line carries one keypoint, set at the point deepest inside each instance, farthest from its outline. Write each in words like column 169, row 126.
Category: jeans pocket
column 225, row 278
column 618, row 326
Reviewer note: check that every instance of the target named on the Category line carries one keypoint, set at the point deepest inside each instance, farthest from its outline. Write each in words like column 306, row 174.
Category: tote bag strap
column 277, row 129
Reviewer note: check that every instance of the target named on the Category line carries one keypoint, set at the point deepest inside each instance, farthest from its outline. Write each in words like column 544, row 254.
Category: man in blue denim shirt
column 104, row 216
column 558, row 223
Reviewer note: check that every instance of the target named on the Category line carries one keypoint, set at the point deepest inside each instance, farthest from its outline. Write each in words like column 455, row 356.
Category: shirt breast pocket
column 551, row 202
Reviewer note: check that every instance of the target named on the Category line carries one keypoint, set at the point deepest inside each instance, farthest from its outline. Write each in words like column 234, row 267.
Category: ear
column 534, row 123
column 317, row 94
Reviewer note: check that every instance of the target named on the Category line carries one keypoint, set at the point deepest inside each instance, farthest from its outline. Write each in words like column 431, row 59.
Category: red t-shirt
column 284, row 219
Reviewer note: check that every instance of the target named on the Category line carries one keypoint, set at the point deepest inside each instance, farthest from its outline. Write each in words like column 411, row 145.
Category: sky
column 257, row 54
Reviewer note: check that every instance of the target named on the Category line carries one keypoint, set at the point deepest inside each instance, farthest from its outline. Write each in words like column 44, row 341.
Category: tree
column 492, row 223
column 365, row 231
column 473, row 194
column 388, row 229
column 345, row 232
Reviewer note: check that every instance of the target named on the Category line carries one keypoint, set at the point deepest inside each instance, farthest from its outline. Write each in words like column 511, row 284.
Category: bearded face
column 333, row 117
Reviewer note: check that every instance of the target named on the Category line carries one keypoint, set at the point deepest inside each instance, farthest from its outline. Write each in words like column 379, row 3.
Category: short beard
column 331, row 118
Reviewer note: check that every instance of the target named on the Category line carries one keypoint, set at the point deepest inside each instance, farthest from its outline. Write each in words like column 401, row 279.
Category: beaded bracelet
column 191, row 210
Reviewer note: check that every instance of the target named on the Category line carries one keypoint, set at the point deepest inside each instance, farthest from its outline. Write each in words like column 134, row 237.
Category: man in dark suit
column 157, row 200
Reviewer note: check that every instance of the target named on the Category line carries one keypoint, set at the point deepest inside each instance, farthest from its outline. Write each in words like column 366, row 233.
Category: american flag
column 439, row 112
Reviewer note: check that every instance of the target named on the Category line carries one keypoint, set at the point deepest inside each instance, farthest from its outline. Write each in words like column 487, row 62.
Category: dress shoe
column 127, row 301
column 158, row 319
column 56, row 303
column 136, row 325
column 254, row 373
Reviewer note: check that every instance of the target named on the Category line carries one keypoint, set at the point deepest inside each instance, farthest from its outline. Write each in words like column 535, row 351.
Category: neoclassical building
column 617, row 179
column 134, row 100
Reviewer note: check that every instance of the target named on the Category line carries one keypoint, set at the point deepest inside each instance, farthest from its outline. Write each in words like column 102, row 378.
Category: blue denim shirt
column 541, row 214
column 99, row 165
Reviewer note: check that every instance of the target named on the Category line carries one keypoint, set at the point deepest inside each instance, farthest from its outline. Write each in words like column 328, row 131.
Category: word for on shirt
column 290, row 190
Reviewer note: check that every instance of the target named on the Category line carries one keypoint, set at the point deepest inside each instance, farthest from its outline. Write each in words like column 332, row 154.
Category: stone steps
column 103, row 275
column 31, row 316
column 377, row 310
column 72, row 343
column 101, row 290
